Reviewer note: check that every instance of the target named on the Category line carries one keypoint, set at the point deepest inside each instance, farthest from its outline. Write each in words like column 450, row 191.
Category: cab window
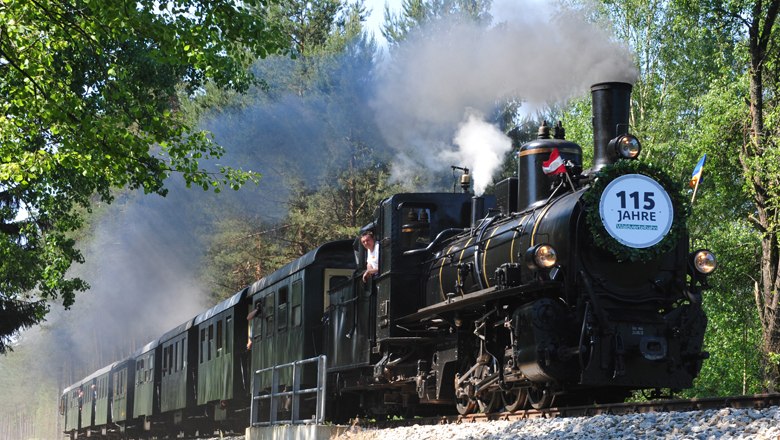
column 415, row 227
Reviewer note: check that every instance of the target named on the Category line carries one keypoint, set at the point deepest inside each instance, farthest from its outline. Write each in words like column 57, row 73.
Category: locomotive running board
column 477, row 298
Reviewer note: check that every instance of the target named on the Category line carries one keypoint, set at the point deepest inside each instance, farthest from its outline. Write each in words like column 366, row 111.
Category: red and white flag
column 554, row 165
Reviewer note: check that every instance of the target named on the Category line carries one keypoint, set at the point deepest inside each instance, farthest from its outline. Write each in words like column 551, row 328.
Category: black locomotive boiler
column 567, row 286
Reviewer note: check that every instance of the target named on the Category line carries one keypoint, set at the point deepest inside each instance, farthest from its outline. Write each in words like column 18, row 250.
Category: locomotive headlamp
column 541, row 256
column 704, row 261
column 626, row 146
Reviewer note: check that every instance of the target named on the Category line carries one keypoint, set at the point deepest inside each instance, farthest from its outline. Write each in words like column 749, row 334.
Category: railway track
column 757, row 401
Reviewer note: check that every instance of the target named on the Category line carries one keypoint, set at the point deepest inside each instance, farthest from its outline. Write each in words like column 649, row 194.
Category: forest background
column 318, row 124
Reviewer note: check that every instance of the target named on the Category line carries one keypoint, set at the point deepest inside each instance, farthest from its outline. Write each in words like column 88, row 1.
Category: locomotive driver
column 372, row 260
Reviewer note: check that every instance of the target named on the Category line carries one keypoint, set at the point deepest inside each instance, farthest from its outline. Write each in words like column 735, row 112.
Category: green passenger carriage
column 147, row 380
column 222, row 384
column 95, row 401
column 291, row 304
column 176, row 390
column 122, row 391
column 70, row 408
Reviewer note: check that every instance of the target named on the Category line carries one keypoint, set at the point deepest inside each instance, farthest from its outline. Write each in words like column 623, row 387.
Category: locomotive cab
column 409, row 228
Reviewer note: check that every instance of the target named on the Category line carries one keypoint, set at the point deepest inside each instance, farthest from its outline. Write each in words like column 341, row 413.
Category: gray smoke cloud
column 144, row 253
column 439, row 79
column 142, row 262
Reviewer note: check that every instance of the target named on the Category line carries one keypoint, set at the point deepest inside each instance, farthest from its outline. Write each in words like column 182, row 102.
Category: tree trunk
column 759, row 30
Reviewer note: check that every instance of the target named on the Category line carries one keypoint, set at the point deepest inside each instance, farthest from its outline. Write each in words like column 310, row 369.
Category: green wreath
column 601, row 237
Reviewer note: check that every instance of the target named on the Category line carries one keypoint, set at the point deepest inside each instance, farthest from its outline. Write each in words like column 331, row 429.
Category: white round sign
column 636, row 210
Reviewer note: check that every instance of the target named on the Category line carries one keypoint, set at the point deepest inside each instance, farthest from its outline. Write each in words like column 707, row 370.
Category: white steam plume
column 447, row 74
column 482, row 145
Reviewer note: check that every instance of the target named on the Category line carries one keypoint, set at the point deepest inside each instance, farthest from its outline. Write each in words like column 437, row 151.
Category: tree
column 748, row 106
column 689, row 100
column 719, row 221
column 335, row 208
column 241, row 251
column 760, row 160
column 416, row 14
column 344, row 202
column 89, row 92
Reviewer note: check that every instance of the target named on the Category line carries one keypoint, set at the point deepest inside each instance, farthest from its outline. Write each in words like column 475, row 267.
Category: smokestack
column 611, row 105
column 477, row 210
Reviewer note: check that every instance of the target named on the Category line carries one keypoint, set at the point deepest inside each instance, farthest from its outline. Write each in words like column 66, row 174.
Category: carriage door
column 333, row 277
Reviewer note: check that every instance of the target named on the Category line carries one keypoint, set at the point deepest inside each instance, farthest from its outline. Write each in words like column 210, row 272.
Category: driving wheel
column 539, row 396
column 514, row 399
column 463, row 403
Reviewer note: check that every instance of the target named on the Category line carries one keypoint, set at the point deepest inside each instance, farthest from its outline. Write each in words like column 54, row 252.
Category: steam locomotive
column 567, row 286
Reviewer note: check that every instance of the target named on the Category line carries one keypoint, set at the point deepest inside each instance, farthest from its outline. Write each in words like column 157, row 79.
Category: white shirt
column 372, row 261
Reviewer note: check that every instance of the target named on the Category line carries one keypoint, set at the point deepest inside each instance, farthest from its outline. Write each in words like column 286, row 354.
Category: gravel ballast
column 727, row 423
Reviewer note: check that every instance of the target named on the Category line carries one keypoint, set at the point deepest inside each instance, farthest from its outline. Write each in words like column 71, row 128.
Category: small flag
column 554, row 165
column 696, row 177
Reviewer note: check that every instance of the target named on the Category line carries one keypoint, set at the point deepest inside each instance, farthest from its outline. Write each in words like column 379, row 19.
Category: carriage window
column 176, row 356
column 219, row 337
column 228, row 334
column 337, row 280
column 269, row 315
column 256, row 330
column 296, row 303
column 211, row 340
column 170, row 359
column 183, row 354
column 282, row 313
column 202, row 343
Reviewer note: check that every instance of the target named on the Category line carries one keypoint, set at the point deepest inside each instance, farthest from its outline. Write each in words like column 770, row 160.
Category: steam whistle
column 465, row 178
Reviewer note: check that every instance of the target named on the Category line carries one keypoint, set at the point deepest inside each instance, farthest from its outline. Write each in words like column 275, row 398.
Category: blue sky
column 376, row 9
